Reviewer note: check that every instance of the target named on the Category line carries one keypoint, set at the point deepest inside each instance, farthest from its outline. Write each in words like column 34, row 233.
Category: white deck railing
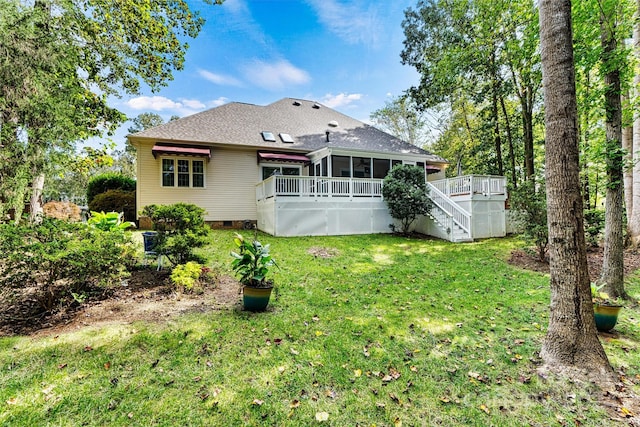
column 318, row 186
column 472, row 184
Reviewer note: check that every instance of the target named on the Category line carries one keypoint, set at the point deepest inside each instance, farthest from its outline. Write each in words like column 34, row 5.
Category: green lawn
column 388, row 332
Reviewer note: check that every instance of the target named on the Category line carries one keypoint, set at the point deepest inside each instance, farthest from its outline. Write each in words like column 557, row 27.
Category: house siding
column 230, row 175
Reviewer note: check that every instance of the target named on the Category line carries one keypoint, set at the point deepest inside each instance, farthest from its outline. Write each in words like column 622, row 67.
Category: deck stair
column 449, row 216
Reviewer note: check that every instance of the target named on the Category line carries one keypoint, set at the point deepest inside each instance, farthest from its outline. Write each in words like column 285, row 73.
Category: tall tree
column 612, row 267
column 634, row 219
column 62, row 59
column 401, row 118
column 571, row 345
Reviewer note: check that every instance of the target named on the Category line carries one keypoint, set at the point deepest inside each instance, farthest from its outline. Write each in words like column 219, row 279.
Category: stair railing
column 454, row 212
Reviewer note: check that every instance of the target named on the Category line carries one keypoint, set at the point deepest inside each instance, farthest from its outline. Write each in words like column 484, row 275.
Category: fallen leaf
column 257, row 402
column 62, row 366
column 293, row 351
column 485, row 409
column 197, row 379
column 322, row 416
column 625, row 412
column 319, row 333
column 380, row 405
column 445, row 399
column 397, row 422
column 357, row 372
column 331, row 394
column 107, row 366
column 88, row 348
column 294, row 404
column 394, row 398
column 12, row 401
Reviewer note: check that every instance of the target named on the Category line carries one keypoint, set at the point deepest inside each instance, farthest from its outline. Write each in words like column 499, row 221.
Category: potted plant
column 605, row 310
column 251, row 264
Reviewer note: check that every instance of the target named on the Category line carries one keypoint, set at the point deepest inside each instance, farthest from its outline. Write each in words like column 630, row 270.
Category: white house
column 296, row 167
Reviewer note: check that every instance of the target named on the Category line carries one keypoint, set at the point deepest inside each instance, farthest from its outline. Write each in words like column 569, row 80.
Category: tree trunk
column 496, row 119
column 612, row 263
column 571, row 345
column 512, row 156
column 35, row 205
column 634, row 220
column 627, row 147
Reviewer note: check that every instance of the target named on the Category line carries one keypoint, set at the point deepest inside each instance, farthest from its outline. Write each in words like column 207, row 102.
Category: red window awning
column 181, row 150
column 432, row 168
column 286, row 157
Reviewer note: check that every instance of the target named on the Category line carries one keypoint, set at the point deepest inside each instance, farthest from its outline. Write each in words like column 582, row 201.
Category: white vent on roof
column 268, row 136
column 316, row 106
column 296, row 103
column 285, row 137
column 333, row 124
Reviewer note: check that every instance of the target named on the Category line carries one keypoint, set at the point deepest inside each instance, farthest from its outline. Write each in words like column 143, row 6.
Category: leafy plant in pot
column 605, row 310
column 251, row 263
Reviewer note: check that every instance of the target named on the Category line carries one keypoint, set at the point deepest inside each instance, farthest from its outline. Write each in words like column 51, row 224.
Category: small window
column 268, row 136
column 285, row 137
column 198, row 174
column 183, row 173
column 167, row 173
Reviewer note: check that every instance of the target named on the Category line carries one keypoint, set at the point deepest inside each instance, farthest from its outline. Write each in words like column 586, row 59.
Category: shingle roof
column 306, row 121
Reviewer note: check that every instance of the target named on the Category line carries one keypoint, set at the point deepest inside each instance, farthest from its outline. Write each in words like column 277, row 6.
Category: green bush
column 405, row 191
column 58, row 259
column 529, row 208
column 109, row 181
column 181, row 229
column 110, row 221
column 593, row 226
column 192, row 277
column 115, row 201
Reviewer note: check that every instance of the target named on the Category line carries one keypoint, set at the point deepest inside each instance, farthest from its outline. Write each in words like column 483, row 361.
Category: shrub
column 110, row 221
column 180, row 228
column 593, row 226
column 115, row 201
column 58, row 259
column 109, row 181
column 62, row 210
column 192, row 277
column 405, row 191
column 529, row 206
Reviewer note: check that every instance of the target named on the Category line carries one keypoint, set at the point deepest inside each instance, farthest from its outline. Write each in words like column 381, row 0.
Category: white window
column 185, row 173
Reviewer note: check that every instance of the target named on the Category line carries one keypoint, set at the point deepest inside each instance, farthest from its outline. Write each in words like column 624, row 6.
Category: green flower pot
column 256, row 299
column 606, row 316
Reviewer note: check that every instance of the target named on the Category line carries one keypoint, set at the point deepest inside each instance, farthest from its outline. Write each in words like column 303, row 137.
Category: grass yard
column 363, row 330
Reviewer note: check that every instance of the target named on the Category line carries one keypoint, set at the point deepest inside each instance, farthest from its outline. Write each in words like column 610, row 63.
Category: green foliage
column 593, row 226
column 116, row 201
column 108, row 181
column 181, row 229
column 57, row 258
column 252, row 262
column 186, row 276
column 406, row 193
column 109, row 221
column 529, row 210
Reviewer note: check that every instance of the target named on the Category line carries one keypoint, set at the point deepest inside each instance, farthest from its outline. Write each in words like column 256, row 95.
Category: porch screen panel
column 167, row 173
column 381, row 168
column 198, row 173
column 340, row 166
column 361, row 167
column 183, row 173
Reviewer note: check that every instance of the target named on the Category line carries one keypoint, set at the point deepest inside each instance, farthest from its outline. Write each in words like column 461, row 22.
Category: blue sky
column 342, row 53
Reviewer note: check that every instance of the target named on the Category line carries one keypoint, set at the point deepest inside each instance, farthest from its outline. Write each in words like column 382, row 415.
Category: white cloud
column 153, row 103
column 275, row 75
column 182, row 107
column 340, row 100
column 354, row 22
column 217, row 102
column 219, row 79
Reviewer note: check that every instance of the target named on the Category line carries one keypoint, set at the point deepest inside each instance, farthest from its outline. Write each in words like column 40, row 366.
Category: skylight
column 268, row 136
column 285, row 137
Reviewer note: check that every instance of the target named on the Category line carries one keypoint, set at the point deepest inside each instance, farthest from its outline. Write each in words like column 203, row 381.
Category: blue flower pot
column 606, row 316
column 256, row 299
